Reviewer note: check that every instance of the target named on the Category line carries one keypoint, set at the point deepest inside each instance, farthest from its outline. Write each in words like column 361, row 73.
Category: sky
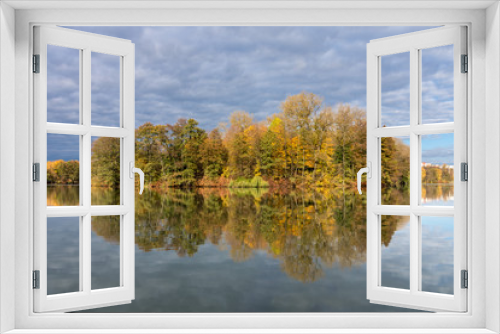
column 437, row 255
column 206, row 73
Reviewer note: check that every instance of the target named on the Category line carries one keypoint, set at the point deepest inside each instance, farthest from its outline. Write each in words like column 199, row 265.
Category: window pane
column 63, row 255
column 437, row 254
column 437, row 169
column 395, row 251
column 105, row 171
column 105, row 89
column 395, row 170
column 437, row 84
column 63, row 85
column 105, row 252
column 63, row 170
column 395, row 86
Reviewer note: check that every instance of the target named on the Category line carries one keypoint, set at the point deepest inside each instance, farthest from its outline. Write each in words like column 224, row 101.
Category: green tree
column 268, row 153
column 193, row 138
column 213, row 155
column 150, row 147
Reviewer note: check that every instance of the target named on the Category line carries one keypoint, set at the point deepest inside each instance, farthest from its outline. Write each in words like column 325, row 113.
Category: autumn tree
column 63, row 172
column 306, row 144
column 299, row 111
column 240, row 162
column 395, row 163
column 106, row 162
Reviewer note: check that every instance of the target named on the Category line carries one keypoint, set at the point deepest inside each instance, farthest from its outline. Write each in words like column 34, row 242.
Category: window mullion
column 431, row 129
column 85, row 96
column 108, row 132
column 85, row 251
column 86, row 138
column 85, row 246
column 414, row 170
column 396, row 131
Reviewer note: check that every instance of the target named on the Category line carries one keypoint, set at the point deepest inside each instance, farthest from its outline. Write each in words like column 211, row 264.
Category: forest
column 305, row 144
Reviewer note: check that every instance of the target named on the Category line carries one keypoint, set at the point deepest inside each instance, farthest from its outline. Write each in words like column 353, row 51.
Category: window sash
column 414, row 298
column 86, row 297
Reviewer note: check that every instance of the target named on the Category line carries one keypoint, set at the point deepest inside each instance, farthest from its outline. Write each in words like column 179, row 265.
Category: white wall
column 491, row 160
column 492, row 165
column 7, row 159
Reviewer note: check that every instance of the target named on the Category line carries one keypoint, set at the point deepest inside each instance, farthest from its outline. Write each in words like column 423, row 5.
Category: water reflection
column 59, row 195
column 437, row 195
column 395, row 252
column 220, row 245
column 306, row 232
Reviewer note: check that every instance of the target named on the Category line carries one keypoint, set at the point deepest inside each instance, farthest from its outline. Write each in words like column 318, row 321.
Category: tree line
column 305, row 144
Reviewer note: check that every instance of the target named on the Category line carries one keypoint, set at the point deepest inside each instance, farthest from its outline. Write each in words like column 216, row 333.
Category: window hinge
column 36, row 279
column 36, row 172
column 36, row 63
column 465, row 279
column 464, row 171
column 465, row 64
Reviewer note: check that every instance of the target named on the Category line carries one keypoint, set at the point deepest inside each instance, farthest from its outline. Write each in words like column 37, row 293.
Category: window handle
column 368, row 171
column 133, row 170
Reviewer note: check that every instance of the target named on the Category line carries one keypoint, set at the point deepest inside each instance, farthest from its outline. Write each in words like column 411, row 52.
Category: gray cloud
column 438, row 148
column 65, row 147
column 439, row 155
column 208, row 72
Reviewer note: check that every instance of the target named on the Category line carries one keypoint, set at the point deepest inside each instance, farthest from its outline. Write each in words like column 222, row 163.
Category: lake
column 249, row 250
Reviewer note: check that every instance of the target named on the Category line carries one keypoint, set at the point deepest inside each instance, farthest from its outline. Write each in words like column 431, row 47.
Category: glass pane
column 437, row 254
column 105, row 252
column 437, row 169
column 63, row 255
column 63, row 169
column 437, row 84
column 105, row 90
column 395, row 89
column 395, row 252
column 395, row 170
column 105, row 171
column 63, row 85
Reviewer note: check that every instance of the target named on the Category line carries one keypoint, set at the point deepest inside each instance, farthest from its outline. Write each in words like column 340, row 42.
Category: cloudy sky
column 208, row 72
column 437, row 255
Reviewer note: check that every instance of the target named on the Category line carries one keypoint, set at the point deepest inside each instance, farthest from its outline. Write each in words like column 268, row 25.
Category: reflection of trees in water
column 393, row 196
column 433, row 192
column 105, row 196
column 107, row 227
column 305, row 231
column 58, row 195
column 391, row 224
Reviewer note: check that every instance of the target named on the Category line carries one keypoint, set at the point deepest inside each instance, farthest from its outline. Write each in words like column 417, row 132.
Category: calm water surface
column 249, row 250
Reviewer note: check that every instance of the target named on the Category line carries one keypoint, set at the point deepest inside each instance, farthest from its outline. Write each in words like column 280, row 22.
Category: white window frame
column 483, row 119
